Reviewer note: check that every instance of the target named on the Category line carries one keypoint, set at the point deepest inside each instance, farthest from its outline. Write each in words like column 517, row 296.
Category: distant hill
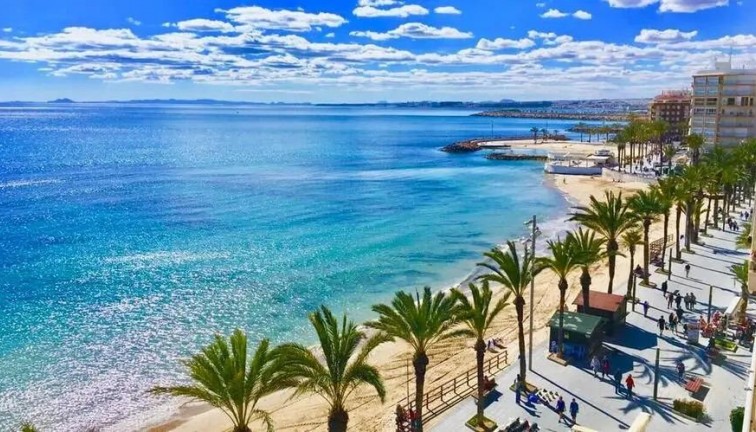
column 63, row 100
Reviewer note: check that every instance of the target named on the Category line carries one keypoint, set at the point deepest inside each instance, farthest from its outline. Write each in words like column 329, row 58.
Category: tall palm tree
column 695, row 143
column 477, row 316
column 740, row 272
column 562, row 262
column 421, row 322
column 609, row 218
column 544, row 134
column 227, row 377
column 744, row 239
column 28, row 427
column 343, row 368
column 580, row 127
column 631, row 239
column 666, row 192
column 515, row 275
column 589, row 251
column 669, row 153
column 534, row 130
column 647, row 207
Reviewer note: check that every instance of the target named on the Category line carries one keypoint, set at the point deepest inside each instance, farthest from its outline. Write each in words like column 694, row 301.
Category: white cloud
column 554, row 13
column 202, row 25
column 133, row 21
column 330, row 35
column 403, row 11
column 650, row 36
column 583, row 15
column 499, row 43
column 540, row 5
column 449, row 10
column 549, row 38
column 7, row 29
column 255, row 17
column 414, row 31
column 683, row 6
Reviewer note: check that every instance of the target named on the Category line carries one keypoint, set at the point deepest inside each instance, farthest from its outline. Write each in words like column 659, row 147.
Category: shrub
column 736, row 419
column 690, row 408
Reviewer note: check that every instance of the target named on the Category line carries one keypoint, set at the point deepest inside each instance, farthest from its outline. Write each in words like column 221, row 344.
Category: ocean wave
column 23, row 183
column 165, row 258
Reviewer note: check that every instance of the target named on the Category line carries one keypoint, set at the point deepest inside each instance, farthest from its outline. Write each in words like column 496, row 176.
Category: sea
column 130, row 234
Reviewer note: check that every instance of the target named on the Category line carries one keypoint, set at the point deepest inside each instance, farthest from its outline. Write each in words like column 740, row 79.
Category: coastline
column 367, row 413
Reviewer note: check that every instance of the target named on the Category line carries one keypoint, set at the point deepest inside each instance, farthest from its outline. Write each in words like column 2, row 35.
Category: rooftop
column 601, row 301
column 577, row 322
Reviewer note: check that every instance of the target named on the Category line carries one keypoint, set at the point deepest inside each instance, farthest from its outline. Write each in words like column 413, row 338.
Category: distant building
column 672, row 107
column 723, row 104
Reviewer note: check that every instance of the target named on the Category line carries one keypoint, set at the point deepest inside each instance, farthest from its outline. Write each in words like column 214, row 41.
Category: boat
column 578, row 164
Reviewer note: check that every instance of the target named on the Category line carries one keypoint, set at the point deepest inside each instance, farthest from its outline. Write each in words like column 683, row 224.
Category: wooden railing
column 440, row 398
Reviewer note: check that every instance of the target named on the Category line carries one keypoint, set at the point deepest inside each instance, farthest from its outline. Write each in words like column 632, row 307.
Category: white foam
column 23, row 183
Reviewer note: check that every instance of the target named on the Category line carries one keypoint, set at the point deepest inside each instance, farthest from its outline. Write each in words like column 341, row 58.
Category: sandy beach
column 446, row 361
column 574, row 147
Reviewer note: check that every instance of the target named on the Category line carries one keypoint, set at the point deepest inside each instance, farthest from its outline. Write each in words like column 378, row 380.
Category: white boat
column 578, row 165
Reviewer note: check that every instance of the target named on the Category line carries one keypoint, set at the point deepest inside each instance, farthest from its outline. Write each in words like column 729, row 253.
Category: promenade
column 633, row 351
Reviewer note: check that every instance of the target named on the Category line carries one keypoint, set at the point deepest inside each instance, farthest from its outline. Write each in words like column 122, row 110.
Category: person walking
column 604, row 367
column 518, row 389
column 687, row 271
column 595, row 365
column 629, row 383
column 664, row 288
column 560, row 405
column 680, row 369
column 661, row 325
column 670, row 299
column 679, row 313
column 693, row 301
column 574, row 408
column 678, row 299
column 645, row 308
column 671, row 320
column 686, row 301
column 617, row 381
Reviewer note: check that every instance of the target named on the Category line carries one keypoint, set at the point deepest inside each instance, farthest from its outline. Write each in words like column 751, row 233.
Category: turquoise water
column 129, row 234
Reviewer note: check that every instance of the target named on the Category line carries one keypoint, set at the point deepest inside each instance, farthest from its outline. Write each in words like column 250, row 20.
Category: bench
column 694, row 385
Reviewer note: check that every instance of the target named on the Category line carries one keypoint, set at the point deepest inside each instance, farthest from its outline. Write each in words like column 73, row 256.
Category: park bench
column 694, row 385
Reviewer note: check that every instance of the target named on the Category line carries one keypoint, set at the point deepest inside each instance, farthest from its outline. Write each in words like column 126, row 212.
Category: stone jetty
column 474, row 144
column 516, row 157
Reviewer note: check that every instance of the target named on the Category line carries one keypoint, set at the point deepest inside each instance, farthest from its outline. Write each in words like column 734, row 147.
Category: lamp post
column 636, row 275
column 533, row 233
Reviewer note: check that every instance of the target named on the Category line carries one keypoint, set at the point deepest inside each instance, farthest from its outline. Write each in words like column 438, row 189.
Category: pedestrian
column 629, row 383
column 678, row 299
column 692, row 301
column 686, row 301
column 687, row 270
column 605, row 367
column 574, row 408
column 670, row 299
column 518, row 389
column 671, row 320
column 661, row 325
column 645, row 308
column 595, row 365
column 679, row 312
column 560, row 405
column 617, row 381
column 680, row 369
column 664, row 288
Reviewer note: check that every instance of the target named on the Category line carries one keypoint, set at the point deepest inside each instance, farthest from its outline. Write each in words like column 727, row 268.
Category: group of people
column 560, row 406
column 733, row 224
column 603, row 366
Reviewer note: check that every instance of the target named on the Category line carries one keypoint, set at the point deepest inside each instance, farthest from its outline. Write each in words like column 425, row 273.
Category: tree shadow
column 634, row 337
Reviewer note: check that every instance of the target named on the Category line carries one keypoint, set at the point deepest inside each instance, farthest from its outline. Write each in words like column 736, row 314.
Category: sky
column 365, row 50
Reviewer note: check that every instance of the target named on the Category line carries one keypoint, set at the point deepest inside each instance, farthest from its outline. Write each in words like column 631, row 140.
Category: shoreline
column 367, row 414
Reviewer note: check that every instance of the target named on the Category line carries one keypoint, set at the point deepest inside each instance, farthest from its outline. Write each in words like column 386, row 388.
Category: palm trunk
column 630, row 276
column 480, row 351
column 420, row 363
column 716, row 211
column 585, row 284
column 666, row 234
column 611, row 249
column 646, row 227
column 706, row 222
column 520, row 308
column 724, row 211
column 677, row 232
column 688, row 223
column 743, row 300
column 696, row 219
column 562, row 295
column 338, row 419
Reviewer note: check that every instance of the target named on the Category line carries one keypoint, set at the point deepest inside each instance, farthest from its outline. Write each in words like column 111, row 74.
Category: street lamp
column 534, row 232
column 636, row 274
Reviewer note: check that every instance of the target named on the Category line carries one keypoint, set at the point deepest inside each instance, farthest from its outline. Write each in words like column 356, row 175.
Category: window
column 730, row 101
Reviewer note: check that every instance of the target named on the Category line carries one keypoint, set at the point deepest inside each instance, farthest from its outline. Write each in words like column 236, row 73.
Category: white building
column 723, row 104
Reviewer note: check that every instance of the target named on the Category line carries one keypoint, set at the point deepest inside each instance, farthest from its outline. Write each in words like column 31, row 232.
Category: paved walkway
column 633, row 350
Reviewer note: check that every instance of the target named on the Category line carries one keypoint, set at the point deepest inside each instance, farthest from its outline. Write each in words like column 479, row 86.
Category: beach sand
column 447, row 360
column 574, row 147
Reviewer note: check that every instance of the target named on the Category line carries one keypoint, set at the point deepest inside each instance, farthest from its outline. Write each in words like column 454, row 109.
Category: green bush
column 690, row 408
column 736, row 419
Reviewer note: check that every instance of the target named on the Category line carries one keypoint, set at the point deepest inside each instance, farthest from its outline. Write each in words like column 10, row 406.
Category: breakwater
column 554, row 115
column 474, row 144
column 516, row 157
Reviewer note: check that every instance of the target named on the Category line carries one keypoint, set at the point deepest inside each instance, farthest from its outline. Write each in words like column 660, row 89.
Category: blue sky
column 365, row 50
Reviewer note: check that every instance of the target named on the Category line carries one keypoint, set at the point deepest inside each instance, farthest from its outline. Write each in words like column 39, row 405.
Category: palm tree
column 609, row 218
column 562, row 262
column 516, row 276
column 695, row 143
column 740, row 272
column 666, row 192
column 744, row 239
column 343, row 368
column 545, row 134
column 630, row 240
column 28, row 427
column 669, row 153
column 580, row 127
column 647, row 207
column 226, row 377
column 534, row 130
column 690, row 188
column 478, row 315
column 421, row 322
column 589, row 250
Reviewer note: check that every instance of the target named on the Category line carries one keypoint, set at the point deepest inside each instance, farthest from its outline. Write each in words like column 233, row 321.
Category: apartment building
column 723, row 104
column 672, row 107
